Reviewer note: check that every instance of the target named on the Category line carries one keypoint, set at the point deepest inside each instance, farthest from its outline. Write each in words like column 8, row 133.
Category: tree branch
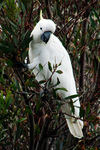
column 40, row 145
column 31, row 117
column 82, row 57
column 48, row 9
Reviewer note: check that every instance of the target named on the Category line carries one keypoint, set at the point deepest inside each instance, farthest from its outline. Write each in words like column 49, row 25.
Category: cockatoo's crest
column 41, row 17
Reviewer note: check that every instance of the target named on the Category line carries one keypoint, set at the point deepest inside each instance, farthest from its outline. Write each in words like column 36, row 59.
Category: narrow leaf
column 58, row 82
column 63, row 89
column 28, row 110
column 42, row 81
column 72, row 96
column 40, row 67
column 13, row 24
column 59, row 71
column 81, row 112
column 1, row 4
column 23, row 7
column 92, row 21
column 49, row 66
column 96, row 14
column 9, row 29
column 72, row 107
column 22, row 119
column 87, row 109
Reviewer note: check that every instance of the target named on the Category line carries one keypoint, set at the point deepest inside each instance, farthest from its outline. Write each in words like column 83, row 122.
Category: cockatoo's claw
column 20, row 65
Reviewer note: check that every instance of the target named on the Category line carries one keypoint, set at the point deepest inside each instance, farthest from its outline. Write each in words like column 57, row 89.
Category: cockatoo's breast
column 52, row 52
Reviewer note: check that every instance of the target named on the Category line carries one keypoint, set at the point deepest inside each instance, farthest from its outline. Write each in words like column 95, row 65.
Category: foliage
column 30, row 119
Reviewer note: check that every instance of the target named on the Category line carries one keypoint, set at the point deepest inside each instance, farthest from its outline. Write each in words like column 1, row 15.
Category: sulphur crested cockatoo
column 46, row 47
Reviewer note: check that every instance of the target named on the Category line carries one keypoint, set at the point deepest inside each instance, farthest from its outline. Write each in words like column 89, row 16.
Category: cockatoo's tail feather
column 75, row 127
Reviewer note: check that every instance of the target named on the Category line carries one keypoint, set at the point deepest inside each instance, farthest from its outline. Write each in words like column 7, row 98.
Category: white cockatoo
column 46, row 47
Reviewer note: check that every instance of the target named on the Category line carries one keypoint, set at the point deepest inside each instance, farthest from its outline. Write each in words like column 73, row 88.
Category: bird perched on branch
column 46, row 47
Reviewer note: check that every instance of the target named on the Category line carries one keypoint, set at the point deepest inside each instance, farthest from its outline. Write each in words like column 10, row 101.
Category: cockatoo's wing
column 46, row 47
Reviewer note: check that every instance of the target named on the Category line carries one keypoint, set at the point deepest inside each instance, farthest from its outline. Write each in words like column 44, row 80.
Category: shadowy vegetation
column 33, row 120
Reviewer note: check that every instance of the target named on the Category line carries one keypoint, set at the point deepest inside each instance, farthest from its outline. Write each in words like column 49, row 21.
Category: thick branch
column 42, row 140
column 82, row 58
column 31, row 117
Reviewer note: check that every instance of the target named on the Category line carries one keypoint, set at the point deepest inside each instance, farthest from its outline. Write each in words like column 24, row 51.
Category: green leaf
column 38, row 104
column 26, row 39
column 19, row 20
column 37, row 129
column 42, row 81
column 81, row 112
column 5, row 49
column 17, row 84
column 9, row 62
column 87, row 110
column 18, row 112
column 92, row 20
column 9, row 102
column 30, row 83
column 76, row 36
column 24, row 36
column 2, row 106
column 20, row 120
column 28, row 110
column 54, row 93
column 9, row 29
column 8, row 99
column 23, row 7
column 72, row 107
column 59, row 71
column 63, row 89
column 49, row 66
column 1, row 4
column 13, row 85
column 2, row 79
column 13, row 24
column 72, row 96
column 96, row 14
column 40, row 67
column 58, row 82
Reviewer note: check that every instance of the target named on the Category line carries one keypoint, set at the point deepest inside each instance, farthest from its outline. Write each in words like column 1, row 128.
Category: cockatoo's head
column 43, row 30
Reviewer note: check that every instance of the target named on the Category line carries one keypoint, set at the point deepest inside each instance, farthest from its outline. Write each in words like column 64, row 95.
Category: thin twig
column 78, row 15
column 48, row 8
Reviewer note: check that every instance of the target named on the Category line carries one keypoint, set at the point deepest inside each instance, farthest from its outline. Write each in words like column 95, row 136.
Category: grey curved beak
column 45, row 36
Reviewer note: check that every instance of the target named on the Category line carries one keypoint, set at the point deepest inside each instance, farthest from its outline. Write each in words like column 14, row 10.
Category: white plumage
column 46, row 47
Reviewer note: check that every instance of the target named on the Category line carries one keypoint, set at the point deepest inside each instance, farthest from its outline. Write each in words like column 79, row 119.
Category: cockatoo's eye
column 40, row 28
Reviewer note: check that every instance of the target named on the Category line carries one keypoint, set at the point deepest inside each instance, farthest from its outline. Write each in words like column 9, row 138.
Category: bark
column 83, row 53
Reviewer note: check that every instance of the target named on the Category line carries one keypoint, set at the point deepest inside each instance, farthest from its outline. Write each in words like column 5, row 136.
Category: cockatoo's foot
column 20, row 64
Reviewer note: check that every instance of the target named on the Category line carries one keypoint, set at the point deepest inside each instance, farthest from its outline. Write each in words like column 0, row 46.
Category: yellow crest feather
column 41, row 15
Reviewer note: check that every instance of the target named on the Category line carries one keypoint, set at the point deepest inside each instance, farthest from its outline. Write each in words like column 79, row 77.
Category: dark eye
column 40, row 28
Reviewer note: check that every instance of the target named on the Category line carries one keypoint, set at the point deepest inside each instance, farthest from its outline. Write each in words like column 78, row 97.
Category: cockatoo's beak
column 41, row 15
column 45, row 36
